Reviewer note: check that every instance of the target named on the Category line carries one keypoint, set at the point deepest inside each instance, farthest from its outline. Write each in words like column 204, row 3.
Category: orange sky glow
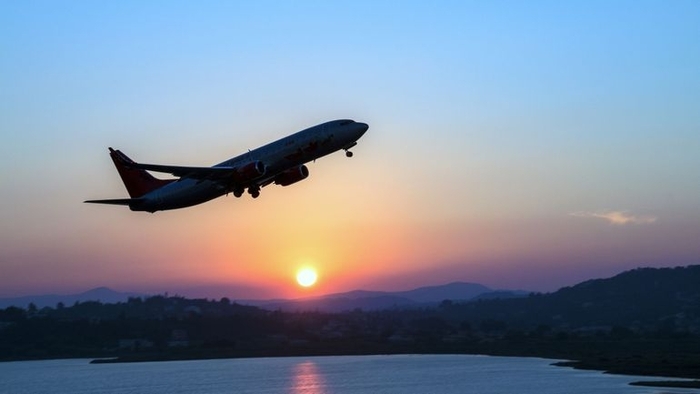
column 528, row 146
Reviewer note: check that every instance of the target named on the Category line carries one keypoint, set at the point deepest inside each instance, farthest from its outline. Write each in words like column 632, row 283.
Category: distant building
column 135, row 344
column 178, row 338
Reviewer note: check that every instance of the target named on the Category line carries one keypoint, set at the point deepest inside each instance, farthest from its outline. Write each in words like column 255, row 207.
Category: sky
column 520, row 145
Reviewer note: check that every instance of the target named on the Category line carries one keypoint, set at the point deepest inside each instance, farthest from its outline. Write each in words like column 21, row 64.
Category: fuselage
column 279, row 156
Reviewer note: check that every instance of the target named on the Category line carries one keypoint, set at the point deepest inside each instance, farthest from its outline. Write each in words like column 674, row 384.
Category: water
column 404, row 374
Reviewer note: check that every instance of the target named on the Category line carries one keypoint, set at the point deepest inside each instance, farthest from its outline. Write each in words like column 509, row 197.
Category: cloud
column 618, row 218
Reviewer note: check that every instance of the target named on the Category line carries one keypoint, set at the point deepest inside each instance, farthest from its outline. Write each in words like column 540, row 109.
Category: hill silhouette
column 337, row 302
column 102, row 294
column 640, row 299
column 379, row 300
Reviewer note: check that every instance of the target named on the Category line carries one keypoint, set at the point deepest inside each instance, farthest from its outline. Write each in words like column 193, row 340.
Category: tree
column 12, row 313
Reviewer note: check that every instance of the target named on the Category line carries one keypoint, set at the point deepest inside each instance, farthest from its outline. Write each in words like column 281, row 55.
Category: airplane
column 280, row 162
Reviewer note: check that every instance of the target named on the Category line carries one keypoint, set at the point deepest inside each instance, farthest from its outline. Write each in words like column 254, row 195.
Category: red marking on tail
column 137, row 182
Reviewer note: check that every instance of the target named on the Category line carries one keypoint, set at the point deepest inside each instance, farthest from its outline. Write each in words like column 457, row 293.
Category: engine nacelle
column 250, row 171
column 293, row 175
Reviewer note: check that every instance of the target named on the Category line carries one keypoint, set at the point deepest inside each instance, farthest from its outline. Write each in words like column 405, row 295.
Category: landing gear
column 254, row 191
column 237, row 192
column 347, row 149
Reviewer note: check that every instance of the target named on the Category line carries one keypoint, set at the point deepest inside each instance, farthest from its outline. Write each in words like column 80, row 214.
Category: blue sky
column 517, row 144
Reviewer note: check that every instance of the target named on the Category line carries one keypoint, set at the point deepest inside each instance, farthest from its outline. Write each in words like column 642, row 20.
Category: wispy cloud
column 618, row 218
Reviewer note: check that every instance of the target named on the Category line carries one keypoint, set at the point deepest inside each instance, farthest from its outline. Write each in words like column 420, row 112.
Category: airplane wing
column 237, row 174
column 186, row 172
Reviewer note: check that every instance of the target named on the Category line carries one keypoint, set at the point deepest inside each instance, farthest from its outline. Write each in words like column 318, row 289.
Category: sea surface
column 404, row 374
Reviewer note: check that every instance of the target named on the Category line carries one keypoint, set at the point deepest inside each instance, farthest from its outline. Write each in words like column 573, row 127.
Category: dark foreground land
column 643, row 322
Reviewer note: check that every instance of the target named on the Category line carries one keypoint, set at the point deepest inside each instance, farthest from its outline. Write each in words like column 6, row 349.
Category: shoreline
column 668, row 383
column 614, row 366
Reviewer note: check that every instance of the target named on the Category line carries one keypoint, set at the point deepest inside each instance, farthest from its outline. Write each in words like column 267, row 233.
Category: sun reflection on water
column 307, row 379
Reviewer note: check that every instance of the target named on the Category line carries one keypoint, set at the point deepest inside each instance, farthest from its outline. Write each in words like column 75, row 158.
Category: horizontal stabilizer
column 116, row 201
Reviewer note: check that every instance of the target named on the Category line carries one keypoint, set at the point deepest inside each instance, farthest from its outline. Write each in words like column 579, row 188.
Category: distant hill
column 501, row 295
column 452, row 291
column 639, row 295
column 378, row 300
column 102, row 294
column 642, row 299
column 337, row 302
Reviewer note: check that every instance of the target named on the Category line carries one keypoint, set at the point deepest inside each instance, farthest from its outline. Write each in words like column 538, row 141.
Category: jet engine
column 292, row 175
column 250, row 171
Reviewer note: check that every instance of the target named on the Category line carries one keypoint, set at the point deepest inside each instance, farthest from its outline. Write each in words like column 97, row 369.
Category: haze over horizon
column 459, row 290
column 516, row 145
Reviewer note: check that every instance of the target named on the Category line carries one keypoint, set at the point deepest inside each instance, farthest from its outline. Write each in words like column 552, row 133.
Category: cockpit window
column 345, row 122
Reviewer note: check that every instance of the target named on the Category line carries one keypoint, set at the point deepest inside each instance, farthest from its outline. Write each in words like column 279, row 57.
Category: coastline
column 605, row 367
column 649, row 367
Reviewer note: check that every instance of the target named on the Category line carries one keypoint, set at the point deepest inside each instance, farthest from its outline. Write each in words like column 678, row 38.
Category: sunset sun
column 306, row 277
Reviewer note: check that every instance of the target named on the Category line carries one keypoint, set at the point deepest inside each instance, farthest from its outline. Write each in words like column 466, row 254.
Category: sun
column 306, row 277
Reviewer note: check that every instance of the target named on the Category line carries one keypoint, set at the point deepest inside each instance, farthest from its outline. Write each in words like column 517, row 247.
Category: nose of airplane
column 363, row 127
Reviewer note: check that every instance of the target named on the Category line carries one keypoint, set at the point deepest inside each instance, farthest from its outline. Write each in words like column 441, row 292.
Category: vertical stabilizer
column 137, row 182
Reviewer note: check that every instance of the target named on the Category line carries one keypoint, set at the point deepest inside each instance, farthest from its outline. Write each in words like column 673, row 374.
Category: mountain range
column 337, row 302
column 377, row 300
column 102, row 294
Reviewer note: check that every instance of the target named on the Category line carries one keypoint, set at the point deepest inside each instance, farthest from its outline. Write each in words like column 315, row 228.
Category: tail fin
column 137, row 182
